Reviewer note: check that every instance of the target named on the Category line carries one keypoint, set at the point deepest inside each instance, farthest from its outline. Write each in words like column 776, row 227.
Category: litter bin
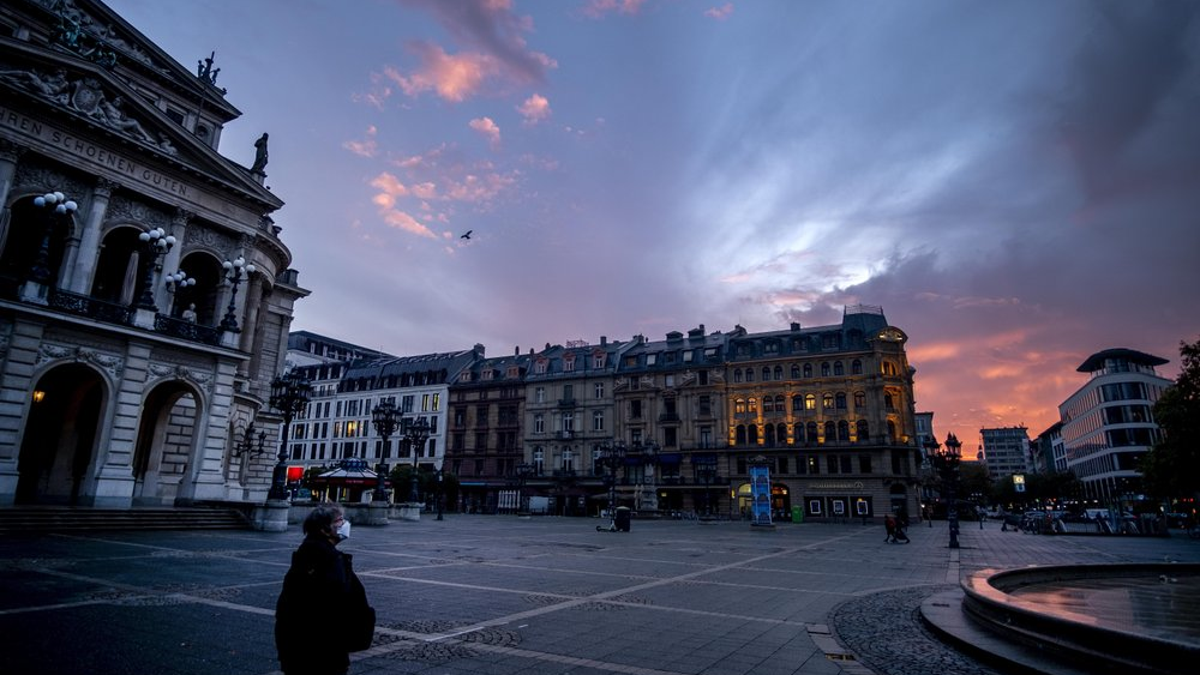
column 622, row 519
column 797, row 514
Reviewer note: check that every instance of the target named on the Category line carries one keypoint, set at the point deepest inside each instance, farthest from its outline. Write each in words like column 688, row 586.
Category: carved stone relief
column 110, row 363
column 125, row 210
column 176, row 371
column 86, row 96
column 32, row 178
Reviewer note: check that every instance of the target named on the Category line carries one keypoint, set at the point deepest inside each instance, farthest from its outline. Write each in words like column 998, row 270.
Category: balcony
column 564, row 435
column 567, row 403
column 668, row 417
column 102, row 311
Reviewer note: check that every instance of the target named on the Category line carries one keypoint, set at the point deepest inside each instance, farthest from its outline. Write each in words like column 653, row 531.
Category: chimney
column 795, row 327
column 517, row 350
column 603, row 340
column 479, row 348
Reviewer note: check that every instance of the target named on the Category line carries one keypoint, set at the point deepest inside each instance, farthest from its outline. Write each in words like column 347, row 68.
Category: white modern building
column 1108, row 424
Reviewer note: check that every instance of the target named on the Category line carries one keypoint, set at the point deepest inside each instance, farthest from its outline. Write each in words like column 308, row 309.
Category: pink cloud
column 486, row 127
column 535, row 109
column 719, row 13
column 479, row 189
column 598, row 8
column 364, row 148
column 453, row 77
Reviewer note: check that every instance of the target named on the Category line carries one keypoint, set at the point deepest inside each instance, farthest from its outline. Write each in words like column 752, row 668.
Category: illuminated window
column 827, row 401
column 810, row 402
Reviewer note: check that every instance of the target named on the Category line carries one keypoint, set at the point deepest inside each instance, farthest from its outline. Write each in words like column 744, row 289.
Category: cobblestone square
column 499, row 595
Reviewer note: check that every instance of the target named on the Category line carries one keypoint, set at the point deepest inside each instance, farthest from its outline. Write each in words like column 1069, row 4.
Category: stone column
column 9, row 154
column 88, row 256
column 170, row 262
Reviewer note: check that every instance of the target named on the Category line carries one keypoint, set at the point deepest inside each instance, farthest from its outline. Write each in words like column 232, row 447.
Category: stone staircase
column 33, row 519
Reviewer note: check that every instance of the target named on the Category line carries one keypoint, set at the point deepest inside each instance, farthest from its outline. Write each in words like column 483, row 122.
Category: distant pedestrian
column 982, row 516
column 889, row 524
column 900, row 535
column 322, row 613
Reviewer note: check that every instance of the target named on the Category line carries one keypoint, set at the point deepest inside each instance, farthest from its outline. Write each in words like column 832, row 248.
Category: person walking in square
column 322, row 613
column 889, row 524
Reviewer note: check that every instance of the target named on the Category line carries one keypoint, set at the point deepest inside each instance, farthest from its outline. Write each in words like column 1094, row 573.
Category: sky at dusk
column 1016, row 183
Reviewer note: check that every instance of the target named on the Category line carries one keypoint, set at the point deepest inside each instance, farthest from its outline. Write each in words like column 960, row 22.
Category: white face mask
column 343, row 530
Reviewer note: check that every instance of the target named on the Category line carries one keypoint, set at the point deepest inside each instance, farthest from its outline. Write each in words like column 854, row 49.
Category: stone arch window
column 808, row 370
column 891, row 431
column 749, row 374
column 25, row 233
column 739, row 406
column 740, row 435
column 766, row 374
column 860, row 400
column 863, row 431
column 781, row 433
column 810, row 402
column 206, row 270
column 737, row 375
column 778, row 372
column 825, row 369
column 795, row 371
column 840, row 401
column 768, row 405
column 797, row 403
column 752, row 434
column 843, row 430
column 888, row 368
column 838, row 370
column 830, row 431
column 752, row 406
column 769, row 435
column 810, row 431
column 827, row 401
column 779, row 404
column 856, row 367
column 889, row 401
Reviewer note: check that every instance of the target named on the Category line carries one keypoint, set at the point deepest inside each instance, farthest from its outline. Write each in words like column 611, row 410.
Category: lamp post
column 524, row 471
column 236, row 271
column 53, row 204
column 289, row 394
column 946, row 460
column 416, row 433
column 385, row 417
column 178, row 280
column 154, row 242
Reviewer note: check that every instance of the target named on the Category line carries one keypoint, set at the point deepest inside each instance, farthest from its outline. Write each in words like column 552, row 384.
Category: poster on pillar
column 760, row 492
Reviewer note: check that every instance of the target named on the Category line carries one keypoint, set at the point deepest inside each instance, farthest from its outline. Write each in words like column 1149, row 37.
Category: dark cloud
column 492, row 28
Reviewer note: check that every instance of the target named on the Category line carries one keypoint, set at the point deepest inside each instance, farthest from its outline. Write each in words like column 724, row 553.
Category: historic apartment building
column 828, row 408
column 1107, row 425
column 145, row 293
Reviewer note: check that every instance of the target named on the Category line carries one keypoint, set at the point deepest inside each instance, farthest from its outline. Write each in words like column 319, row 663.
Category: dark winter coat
column 315, row 615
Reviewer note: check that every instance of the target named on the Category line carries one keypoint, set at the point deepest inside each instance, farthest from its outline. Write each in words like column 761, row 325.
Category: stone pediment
column 109, row 106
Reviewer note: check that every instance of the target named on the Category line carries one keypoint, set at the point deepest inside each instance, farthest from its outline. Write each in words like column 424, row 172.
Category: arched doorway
column 58, row 445
column 118, row 277
column 164, row 454
column 206, row 270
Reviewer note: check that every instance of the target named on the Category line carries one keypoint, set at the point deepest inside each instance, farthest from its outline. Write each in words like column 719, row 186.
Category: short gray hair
column 321, row 518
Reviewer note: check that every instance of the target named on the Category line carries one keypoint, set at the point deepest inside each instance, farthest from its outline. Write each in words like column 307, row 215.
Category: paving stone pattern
column 501, row 595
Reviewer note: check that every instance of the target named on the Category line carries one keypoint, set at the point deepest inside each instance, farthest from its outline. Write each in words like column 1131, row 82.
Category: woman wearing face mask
column 322, row 614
